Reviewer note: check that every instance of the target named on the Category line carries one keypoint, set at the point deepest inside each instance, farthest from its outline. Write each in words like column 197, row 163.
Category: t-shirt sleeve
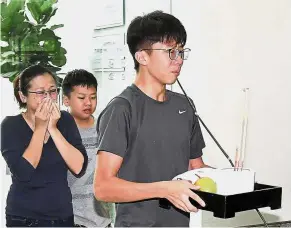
column 113, row 127
column 74, row 138
column 12, row 149
column 197, row 141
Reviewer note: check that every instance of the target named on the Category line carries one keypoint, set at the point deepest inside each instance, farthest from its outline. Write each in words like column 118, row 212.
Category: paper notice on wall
column 109, row 13
column 109, row 53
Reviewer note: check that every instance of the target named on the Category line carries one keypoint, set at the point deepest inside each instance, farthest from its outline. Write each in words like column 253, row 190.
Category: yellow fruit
column 206, row 184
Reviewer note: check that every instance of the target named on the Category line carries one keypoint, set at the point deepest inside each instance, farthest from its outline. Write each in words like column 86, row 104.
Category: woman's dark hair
column 151, row 28
column 22, row 81
column 78, row 77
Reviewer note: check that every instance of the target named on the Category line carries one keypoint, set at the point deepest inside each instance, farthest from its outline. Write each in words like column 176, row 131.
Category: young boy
column 80, row 96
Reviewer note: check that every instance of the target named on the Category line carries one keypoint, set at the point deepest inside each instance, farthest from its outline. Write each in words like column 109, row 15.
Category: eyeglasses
column 174, row 53
column 43, row 93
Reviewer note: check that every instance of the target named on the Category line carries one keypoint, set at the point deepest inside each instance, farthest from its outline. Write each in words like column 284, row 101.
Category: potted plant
column 26, row 39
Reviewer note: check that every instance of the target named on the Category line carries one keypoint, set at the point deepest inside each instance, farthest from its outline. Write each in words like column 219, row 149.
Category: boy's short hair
column 151, row 28
column 78, row 77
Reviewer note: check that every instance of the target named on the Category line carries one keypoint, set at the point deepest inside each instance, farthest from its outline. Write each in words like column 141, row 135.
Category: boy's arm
column 108, row 187
column 197, row 163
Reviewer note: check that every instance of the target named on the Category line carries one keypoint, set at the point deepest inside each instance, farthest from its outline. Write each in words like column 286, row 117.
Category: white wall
column 78, row 19
column 8, row 107
column 237, row 44
column 133, row 8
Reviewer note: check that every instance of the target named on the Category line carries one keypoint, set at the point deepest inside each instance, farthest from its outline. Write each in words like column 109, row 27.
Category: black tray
column 225, row 206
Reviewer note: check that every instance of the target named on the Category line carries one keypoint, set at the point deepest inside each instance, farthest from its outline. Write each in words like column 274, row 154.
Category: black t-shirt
column 167, row 136
column 41, row 192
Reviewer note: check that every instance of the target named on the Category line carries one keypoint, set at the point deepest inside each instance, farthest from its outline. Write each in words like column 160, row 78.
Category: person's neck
column 30, row 116
column 150, row 86
column 84, row 123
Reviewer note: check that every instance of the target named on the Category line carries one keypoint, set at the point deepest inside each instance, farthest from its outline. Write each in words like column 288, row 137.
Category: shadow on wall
column 7, row 171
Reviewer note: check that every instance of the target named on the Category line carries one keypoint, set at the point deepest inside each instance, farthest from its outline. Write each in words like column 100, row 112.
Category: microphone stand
column 216, row 142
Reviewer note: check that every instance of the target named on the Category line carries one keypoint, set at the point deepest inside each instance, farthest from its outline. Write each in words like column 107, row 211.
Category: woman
column 39, row 146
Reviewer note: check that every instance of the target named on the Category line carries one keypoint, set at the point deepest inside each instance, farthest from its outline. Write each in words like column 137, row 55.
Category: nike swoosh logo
column 181, row 112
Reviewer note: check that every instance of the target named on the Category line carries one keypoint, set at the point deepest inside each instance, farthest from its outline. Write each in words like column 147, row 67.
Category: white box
column 228, row 181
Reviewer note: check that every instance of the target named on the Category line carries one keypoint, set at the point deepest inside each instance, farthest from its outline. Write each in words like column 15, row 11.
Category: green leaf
column 5, row 48
column 7, row 53
column 45, row 18
column 3, row 64
column 46, row 6
column 9, row 66
column 14, row 6
column 51, row 45
column 63, row 51
column 22, row 28
column 59, row 59
column 4, row 37
column 34, row 10
column 12, row 26
column 3, row 9
column 30, row 44
column 53, row 27
column 17, row 20
column 39, row 27
column 9, row 63
column 9, row 74
column 12, row 77
column 48, row 10
column 5, row 25
column 47, row 34
column 37, row 3
column 53, row 12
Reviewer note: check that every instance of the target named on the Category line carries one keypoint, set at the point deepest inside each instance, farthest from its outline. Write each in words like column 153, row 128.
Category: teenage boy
column 147, row 135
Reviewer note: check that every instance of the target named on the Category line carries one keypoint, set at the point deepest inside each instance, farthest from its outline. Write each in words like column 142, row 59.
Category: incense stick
column 236, row 161
column 244, row 131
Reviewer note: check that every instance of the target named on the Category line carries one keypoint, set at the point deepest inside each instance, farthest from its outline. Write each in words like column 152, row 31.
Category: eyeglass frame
column 169, row 51
column 45, row 92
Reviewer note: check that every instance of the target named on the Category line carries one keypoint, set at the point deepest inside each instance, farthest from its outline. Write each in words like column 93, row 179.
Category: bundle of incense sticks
column 240, row 152
column 239, row 160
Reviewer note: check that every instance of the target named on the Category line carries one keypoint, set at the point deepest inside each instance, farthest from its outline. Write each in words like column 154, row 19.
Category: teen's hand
column 54, row 117
column 178, row 193
column 42, row 113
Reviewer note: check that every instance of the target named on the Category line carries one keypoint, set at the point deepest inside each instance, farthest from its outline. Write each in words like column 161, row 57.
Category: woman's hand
column 54, row 117
column 42, row 113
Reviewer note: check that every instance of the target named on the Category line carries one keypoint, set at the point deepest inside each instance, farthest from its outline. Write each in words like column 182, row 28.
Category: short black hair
column 22, row 81
column 151, row 28
column 78, row 77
